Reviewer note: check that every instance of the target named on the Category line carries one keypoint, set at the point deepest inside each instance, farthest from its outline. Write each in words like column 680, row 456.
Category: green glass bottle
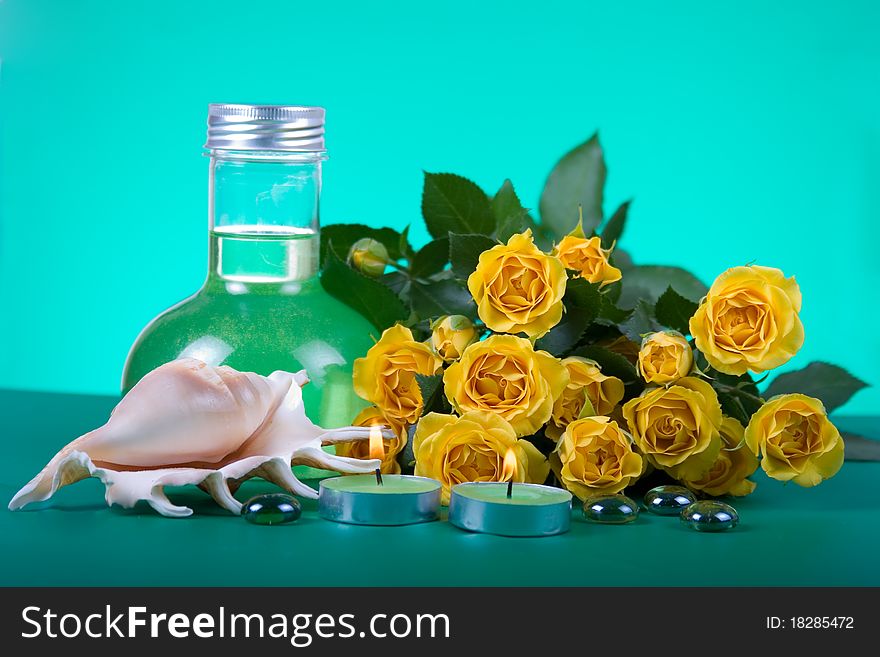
column 262, row 307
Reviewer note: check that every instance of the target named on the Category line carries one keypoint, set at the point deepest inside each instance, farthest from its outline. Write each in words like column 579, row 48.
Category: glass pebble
column 668, row 500
column 271, row 509
column 710, row 516
column 611, row 509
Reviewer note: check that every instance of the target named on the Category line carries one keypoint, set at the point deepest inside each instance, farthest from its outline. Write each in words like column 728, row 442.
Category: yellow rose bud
column 734, row 463
column 369, row 257
column 386, row 376
column 677, row 428
column 360, row 449
column 453, row 450
column 749, row 320
column 595, row 456
column 586, row 381
column 796, row 440
column 450, row 335
column 518, row 288
column 587, row 257
column 504, row 375
column 665, row 356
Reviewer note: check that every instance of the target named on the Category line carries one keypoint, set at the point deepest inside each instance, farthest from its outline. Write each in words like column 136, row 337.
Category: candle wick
column 510, row 488
column 379, row 481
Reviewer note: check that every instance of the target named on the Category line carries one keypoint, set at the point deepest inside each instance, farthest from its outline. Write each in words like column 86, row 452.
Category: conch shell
column 188, row 423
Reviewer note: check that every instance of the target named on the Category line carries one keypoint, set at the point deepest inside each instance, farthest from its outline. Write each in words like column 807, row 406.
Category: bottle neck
column 263, row 213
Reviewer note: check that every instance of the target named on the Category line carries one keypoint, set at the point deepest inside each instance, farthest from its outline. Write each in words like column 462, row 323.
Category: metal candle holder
column 359, row 500
column 532, row 510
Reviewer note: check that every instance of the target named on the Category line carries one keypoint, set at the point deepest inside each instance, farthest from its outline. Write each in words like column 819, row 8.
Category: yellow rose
column 360, row 449
column 586, row 381
column 453, row 450
column 595, row 456
column 677, row 428
column 734, row 463
column 587, row 257
column 749, row 320
column 504, row 375
column 451, row 334
column 518, row 288
column 796, row 440
column 386, row 376
column 665, row 356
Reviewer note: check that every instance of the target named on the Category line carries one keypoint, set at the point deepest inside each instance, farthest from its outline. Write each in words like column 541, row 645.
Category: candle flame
column 508, row 472
column 377, row 447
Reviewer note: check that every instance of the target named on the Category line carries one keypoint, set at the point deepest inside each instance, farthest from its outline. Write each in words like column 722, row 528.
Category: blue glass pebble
column 668, row 500
column 710, row 516
column 610, row 509
column 271, row 509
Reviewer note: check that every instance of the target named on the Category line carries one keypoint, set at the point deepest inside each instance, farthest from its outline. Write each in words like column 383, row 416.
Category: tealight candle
column 380, row 499
column 510, row 509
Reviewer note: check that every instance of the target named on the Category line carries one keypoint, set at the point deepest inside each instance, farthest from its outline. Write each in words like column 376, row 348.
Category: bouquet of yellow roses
column 505, row 333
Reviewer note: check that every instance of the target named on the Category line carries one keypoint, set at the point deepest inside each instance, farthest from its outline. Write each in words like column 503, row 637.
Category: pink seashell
column 188, row 423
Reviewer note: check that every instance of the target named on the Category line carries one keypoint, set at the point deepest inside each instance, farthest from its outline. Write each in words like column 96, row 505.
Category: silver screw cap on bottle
column 293, row 128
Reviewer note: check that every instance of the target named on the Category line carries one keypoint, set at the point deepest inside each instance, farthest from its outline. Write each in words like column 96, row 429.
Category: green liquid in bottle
column 261, row 309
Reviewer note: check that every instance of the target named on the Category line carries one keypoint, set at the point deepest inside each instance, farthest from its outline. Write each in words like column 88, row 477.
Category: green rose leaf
column 465, row 250
column 612, row 364
column 506, row 202
column 453, row 204
column 738, row 394
column 406, row 458
column 734, row 406
column 582, row 302
column 674, row 311
column 405, row 247
column 431, row 388
column 621, row 259
column 368, row 296
column 510, row 216
column 743, row 382
column 610, row 314
column 342, row 236
column 829, row 383
column 613, row 230
column 396, row 281
column 583, row 294
column 859, row 448
column 513, row 224
column 746, row 396
column 431, row 258
column 544, row 239
column 612, row 291
column 577, row 179
column 563, row 337
column 443, row 297
column 649, row 282
column 640, row 322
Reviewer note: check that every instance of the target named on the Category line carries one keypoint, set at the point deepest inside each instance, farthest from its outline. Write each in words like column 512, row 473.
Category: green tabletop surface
column 788, row 536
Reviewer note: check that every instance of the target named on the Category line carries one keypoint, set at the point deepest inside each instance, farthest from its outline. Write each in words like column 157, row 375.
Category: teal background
column 745, row 132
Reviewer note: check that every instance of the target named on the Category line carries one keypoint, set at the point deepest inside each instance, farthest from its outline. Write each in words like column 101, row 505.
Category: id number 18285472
column 810, row 623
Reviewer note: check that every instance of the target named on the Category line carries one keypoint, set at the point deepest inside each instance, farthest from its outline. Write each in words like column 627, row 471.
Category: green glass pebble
column 710, row 516
column 271, row 509
column 668, row 500
column 610, row 509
